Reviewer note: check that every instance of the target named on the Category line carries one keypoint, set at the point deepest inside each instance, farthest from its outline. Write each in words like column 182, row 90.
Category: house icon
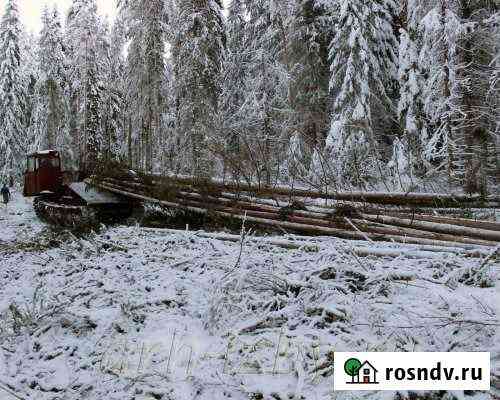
column 367, row 374
column 360, row 373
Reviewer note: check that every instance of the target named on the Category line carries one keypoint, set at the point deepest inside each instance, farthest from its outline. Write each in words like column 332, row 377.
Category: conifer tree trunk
column 474, row 62
column 51, row 117
column 308, row 38
column 129, row 143
column 468, row 101
column 497, row 154
column 446, row 90
column 199, row 43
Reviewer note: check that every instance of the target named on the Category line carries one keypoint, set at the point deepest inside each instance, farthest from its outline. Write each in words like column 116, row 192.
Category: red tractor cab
column 63, row 199
column 43, row 173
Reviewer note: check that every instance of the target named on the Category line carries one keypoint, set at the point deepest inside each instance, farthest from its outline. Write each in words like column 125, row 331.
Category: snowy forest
column 398, row 94
column 250, row 190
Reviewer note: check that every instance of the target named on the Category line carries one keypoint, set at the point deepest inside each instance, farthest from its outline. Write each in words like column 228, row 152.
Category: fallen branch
column 7, row 390
column 420, row 252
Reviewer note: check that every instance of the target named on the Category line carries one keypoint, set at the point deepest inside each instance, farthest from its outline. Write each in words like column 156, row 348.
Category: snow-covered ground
column 132, row 313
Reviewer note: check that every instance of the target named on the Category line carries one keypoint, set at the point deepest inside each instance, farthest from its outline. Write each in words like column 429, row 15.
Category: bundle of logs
column 421, row 219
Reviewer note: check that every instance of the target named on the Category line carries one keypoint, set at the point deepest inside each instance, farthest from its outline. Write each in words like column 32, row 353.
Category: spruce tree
column 438, row 62
column 199, row 44
column 411, row 85
column 460, row 36
column 494, row 92
column 30, row 76
column 147, row 30
column 265, row 111
column 112, row 90
column 474, row 127
column 234, row 72
column 49, row 121
column 85, row 76
column 12, row 92
column 363, row 64
column 308, row 38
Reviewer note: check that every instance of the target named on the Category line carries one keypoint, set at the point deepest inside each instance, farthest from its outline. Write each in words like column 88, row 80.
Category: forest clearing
column 211, row 199
column 150, row 313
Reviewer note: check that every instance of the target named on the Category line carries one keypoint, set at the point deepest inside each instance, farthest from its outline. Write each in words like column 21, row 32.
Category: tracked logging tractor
column 63, row 199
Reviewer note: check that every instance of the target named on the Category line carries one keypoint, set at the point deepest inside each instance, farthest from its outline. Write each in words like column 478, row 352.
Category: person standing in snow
column 5, row 194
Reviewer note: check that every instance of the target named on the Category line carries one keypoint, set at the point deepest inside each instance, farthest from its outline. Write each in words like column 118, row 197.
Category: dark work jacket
column 5, row 194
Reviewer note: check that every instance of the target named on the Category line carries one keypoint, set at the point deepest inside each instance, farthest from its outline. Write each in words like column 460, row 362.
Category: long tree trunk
column 446, row 89
column 302, row 227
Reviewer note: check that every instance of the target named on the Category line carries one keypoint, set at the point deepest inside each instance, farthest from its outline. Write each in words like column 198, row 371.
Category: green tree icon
column 351, row 367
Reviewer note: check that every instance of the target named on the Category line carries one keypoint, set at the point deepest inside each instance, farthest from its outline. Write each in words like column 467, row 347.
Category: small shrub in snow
column 29, row 315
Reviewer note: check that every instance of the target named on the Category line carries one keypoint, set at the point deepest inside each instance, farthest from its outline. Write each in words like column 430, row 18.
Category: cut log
column 471, row 223
column 317, row 219
column 392, row 210
column 482, row 234
column 284, row 225
column 419, row 233
column 253, row 206
column 313, row 219
column 393, row 199
column 416, row 199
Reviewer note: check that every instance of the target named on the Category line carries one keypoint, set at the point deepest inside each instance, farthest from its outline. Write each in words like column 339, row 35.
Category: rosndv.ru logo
column 412, row 371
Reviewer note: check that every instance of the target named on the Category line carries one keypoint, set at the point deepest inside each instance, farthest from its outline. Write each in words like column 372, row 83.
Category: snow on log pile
column 434, row 200
column 135, row 313
column 342, row 220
